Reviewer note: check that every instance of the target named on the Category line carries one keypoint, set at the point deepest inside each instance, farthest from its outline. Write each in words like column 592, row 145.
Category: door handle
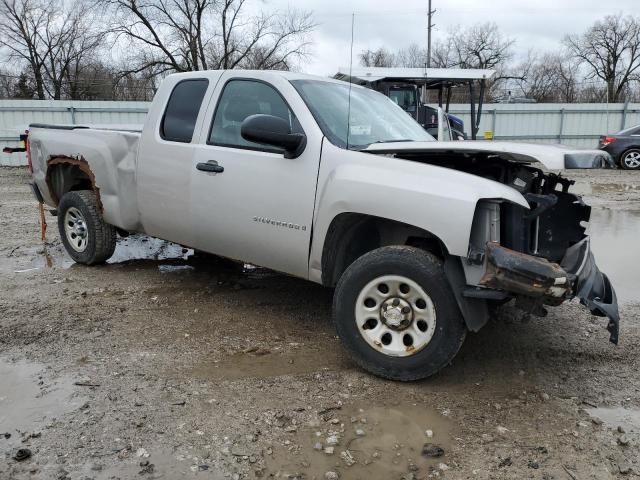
column 210, row 166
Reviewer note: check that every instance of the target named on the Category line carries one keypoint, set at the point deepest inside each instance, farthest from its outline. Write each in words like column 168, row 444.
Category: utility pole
column 429, row 26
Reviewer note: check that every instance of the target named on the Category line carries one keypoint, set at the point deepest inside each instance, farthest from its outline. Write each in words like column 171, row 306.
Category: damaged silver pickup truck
column 336, row 184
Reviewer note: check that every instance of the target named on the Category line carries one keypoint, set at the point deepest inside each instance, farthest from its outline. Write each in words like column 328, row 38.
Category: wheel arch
column 65, row 174
column 350, row 235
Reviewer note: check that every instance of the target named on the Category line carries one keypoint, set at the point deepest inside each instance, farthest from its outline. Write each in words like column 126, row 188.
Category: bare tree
column 550, row 77
column 184, row 35
column 610, row 49
column 72, row 42
column 412, row 57
column 479, row 46
column 50, row 37
column 21, row 22
column 377, row 58
column 264, row 41
column 442, row 54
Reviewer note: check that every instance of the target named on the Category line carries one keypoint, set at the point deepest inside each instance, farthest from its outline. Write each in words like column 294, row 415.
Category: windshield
column 405, row 97
column 374, row 118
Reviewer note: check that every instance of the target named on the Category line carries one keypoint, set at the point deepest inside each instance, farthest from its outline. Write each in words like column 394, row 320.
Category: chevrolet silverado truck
column 336, row 184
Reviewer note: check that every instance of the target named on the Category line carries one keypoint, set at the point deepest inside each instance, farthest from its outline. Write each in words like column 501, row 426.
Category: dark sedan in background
column 624, row 147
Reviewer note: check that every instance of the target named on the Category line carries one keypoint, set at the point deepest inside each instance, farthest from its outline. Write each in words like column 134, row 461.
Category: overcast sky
column 539, row 24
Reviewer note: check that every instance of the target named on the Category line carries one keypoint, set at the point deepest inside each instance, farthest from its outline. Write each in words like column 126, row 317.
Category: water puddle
column 169, row 268
column 614, row 241
column 28, row 402
column 615, row 417
column 262, row 363
column 376, row 443
column 135, row 247
column 142, row 247
column 154, row 464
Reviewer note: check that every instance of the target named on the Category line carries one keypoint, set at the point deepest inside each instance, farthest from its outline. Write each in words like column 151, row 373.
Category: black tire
column 426, row 270
column 623, row 165
column 101, row 237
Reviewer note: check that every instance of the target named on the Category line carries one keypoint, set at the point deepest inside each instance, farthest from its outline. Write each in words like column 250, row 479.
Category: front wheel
column 630, row 160
column 397, row 315
column 87, row 238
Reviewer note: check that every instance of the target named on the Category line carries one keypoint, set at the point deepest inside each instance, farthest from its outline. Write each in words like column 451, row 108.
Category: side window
column 180, row 116
column 241, row 99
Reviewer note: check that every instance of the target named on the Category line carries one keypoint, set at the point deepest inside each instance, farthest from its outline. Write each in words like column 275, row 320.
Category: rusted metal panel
column 79, row 162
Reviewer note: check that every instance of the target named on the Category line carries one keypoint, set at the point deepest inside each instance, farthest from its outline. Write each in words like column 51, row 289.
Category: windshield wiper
column 395, row 140
column 364, row 147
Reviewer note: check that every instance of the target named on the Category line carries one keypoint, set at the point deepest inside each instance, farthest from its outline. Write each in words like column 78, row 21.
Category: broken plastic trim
column 591, row 286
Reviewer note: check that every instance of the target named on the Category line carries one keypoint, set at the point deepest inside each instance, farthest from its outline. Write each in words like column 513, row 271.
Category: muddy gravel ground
column 162, row 364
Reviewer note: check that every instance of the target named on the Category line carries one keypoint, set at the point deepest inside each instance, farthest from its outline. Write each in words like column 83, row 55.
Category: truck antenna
column 353, row 17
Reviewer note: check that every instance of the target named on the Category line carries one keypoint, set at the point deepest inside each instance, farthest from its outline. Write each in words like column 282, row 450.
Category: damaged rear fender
column 66, row 173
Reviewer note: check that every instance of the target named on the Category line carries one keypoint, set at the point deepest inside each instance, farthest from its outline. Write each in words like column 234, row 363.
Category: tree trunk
column 612, row 96
column 39, row 84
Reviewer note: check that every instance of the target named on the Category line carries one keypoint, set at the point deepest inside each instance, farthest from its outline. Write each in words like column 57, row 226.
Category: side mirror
column 275, row 131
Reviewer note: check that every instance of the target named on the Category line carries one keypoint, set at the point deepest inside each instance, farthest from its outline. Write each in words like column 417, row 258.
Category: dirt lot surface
column 165, row 365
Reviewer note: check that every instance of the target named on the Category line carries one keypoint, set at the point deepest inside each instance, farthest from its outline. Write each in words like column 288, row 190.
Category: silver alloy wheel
column 75, row 226
column 395, row 316
column 632, row 159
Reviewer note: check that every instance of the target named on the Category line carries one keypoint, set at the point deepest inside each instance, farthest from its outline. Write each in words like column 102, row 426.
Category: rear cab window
column 181, row 113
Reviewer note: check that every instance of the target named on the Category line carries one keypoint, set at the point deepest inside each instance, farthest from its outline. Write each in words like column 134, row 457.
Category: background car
column 624, row 147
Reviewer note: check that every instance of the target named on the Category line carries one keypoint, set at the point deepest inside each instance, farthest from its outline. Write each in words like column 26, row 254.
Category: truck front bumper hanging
column 548, row 283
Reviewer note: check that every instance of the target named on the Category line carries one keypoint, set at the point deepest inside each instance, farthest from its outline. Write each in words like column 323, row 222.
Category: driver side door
column 258, row 206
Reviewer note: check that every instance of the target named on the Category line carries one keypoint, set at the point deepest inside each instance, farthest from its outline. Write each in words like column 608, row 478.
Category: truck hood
column 553, row 157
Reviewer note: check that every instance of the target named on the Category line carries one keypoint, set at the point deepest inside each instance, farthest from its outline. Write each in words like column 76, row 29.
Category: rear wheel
column 84, row 233
column 396, row 313
column 630, row 160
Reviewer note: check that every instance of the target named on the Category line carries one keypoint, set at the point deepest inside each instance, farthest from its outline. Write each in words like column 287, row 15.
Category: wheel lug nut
column 405, row 310
column 395, row 302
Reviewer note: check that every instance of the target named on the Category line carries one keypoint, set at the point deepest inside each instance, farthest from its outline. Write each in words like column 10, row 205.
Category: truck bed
column 109, row 151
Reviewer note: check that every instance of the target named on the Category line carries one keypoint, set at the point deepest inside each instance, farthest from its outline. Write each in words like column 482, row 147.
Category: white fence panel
column 572, row 124
column 16, row 115
column 577, row 124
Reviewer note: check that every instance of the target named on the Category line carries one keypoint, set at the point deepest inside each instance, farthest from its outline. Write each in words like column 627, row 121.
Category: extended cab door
column 259, row 206
column 165, row 155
